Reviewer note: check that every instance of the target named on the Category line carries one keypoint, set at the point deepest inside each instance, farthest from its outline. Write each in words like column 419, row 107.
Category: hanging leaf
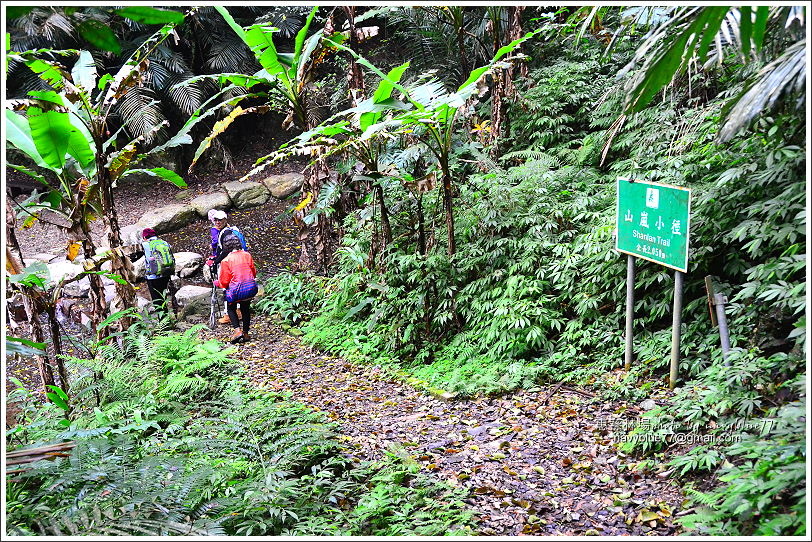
column 50, row 72
column 99, row 35
column 205, row 110
column 382, row 93
column 29, row 172
column 300, row 38
column 161, row 172
column 305, row 202
column 24, row 347
column 760, row 26
column 149, row 15
column 121, row 160
column 673, row 56
column 47, row 96
column 220, row 127
column 259, row 40
column 84, row 71
column 79, row 147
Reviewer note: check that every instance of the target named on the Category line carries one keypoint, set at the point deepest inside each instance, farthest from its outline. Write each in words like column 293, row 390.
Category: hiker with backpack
column 220, row 232
column 238, row 276
column 159, row 263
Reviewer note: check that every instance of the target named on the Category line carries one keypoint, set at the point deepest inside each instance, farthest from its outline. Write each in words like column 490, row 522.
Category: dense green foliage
column 537, row 293
column 169, row 440
column 472, row 273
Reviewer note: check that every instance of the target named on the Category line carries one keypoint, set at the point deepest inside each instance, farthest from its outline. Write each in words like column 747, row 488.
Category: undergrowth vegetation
column 536, row 293
column 467, row 269
column 168, row 439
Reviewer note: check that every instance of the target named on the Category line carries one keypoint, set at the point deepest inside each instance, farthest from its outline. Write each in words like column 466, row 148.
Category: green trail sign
column 653, row 222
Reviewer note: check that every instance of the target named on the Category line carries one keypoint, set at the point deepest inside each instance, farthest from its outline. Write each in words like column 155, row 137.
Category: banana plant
column 284, row 75
column 288, row 77
column 64, row 131
column 426, row 112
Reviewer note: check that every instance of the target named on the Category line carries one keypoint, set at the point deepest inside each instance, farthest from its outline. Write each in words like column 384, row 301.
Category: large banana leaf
column 132, row 71
column 205, row 110
column 166, row 174
column 221, row 125
column 784, row 75
column 18, row 133
column 670, row 49
column 298, row 57
column 382, row 93
column 259, row 39
column 51, row 132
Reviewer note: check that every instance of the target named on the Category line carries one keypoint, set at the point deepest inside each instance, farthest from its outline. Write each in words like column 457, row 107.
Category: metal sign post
column 629, row 311
column 676, row 329
column 653, row 223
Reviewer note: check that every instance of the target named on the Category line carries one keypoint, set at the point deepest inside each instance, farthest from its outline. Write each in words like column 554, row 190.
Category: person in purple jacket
column 220, row 232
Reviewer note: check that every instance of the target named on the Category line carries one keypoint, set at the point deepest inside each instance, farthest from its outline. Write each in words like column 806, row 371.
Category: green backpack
column 162, row 262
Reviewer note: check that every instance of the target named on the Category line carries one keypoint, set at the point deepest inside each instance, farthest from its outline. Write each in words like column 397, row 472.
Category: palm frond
column 140, row 108
column 288, row 19
column 784, row 76
column 187, row 98
column 228, row 54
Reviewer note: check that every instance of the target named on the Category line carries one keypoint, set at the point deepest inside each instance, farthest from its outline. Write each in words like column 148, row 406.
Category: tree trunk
column 56, row 341
column 320, row 230
column 421, row 226
column 448, row 207
column 498, row 91
column 14, row 265
column 119, row 263
column 98, row 304
column 515, row 32
column 46, row 372
column 386, row 228
column 461, row 46
column 355, row 77
column 504, row 86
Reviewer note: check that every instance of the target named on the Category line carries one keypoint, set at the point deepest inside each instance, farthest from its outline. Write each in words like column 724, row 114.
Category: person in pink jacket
column 238, row 276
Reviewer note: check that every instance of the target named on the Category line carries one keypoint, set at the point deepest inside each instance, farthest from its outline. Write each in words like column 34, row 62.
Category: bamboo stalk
column 41, row 449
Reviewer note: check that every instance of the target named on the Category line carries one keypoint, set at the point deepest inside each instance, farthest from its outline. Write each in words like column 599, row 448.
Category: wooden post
column 716, row 306
column 719, row 300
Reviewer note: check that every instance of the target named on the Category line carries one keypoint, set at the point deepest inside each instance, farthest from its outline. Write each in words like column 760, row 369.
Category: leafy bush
column 762, row 481
column 294, row 297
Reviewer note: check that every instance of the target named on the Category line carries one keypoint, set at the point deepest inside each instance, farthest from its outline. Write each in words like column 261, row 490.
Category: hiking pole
column 214, row 312
column 214, row 309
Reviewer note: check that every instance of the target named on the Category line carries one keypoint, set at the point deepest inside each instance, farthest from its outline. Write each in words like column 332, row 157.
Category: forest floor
column 536, row 462
column 542, row 461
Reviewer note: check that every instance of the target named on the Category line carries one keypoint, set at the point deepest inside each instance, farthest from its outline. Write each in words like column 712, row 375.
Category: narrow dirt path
column 532, row 467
